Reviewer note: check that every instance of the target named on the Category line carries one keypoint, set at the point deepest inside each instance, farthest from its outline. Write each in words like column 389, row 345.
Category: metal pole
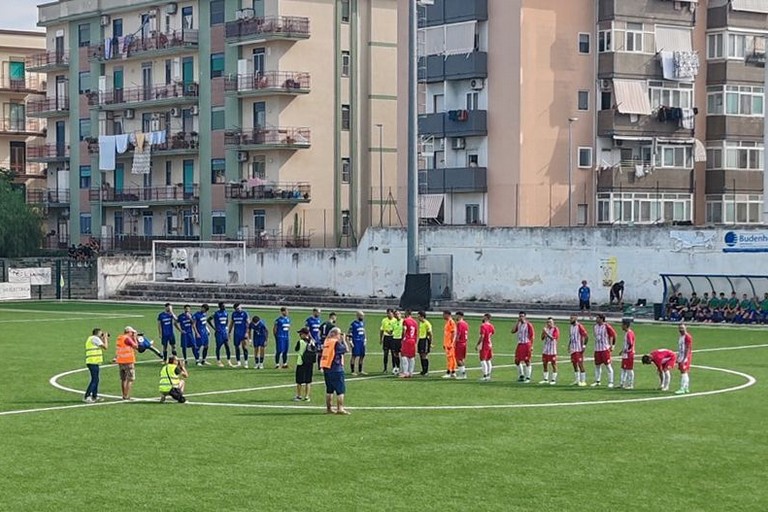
column 413, row 135
column 765, row 146
column 381, row 174
column 571, row 120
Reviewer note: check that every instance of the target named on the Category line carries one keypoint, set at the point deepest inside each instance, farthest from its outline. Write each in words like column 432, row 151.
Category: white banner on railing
column 34, row 276
column 14, row 291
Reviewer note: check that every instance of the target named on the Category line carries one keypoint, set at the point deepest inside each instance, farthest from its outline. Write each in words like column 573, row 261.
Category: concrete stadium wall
column 116, row 272
column 498, row 264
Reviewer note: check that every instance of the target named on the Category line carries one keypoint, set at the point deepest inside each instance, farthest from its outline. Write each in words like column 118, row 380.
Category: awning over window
column 632, row 97
column 430, row 205
column 673, row 39
column 750, row 5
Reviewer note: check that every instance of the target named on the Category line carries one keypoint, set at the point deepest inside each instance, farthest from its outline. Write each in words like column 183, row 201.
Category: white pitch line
column 57, row 408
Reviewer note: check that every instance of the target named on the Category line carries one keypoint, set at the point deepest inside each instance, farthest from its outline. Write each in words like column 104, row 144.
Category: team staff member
column 259, row 334
column 385, row 337
column 305, row 362
column 95, row 346
column 425, row 342
column 358, row 339
column 332, row 363
column 166, row 323
column 188, row 334
column 126, row 360
column 325, row 328
column 524, row 350
column 449, row 345
column 282, row 333
column 584, row 297
column 462, row 335
column 238, row 330
column 172, row 377
column 397, row 341
column 201, row 333
column 219, row 322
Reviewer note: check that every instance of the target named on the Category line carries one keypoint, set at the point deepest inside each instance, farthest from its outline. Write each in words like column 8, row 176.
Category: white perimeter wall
column 522, row 264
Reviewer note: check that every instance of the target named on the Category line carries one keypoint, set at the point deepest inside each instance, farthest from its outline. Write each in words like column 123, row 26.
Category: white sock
column 528, row 371
column 489, row 365
column 623, row 376
column 583, row 376
column 630, row 378
column 665, row 379
column 610, row 374
column 548, row 375
column 578, row 376
column 483, row 368
column 554, row 377
column 598, row 373
column 521, row 370
column 684, row 381
column 462, row 370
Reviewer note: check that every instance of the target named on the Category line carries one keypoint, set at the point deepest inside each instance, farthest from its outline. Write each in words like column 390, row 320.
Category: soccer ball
column 395, row 370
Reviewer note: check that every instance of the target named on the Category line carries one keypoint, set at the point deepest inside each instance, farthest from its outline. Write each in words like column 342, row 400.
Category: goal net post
column 221, row 262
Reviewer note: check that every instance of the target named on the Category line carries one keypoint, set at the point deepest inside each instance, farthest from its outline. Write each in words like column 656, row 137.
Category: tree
column 21, row 225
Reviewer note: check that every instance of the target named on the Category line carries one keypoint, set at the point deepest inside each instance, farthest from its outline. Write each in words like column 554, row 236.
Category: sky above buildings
column 20, row 14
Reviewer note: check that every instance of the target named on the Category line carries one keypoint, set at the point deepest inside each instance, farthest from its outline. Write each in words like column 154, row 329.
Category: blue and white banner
column 745, row 241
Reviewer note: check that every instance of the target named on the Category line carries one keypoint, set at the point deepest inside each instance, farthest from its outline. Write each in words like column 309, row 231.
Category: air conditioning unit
column 105, row 20
column 195, row 209
column 459, row 143
column 477, row 84
column 195, row 110
column 176, row 112
column 195, row 219
column 248, row 13
column 129, row 113
column 239, row 14
column 242, row 156
column 171, row 8
column 605, row 84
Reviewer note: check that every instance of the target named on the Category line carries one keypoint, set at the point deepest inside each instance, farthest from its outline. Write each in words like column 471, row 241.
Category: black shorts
column 583, row 304
column 304, row 373
column 386, row 343
column 424, row 346
column 396, row 345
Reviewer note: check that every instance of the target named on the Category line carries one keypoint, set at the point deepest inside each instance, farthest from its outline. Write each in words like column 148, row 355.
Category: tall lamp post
column 571, row 120
column 381, row 173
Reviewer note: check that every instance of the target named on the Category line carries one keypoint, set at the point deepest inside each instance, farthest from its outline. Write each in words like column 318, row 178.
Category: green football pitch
column 241, row 443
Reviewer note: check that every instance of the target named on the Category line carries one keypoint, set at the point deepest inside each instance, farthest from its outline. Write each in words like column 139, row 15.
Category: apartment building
column 218, row 119
column 17, row 83
column 537, row 113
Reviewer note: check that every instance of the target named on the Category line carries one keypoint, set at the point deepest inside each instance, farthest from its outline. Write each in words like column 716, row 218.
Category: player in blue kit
column 238, row 330
column 201, row 333
column 166, row 323
column 258, row 332
column 324, row 329
column 282, row 333
column 313, row 324
column 357, row 337
column 188, row 335
column 219, row 321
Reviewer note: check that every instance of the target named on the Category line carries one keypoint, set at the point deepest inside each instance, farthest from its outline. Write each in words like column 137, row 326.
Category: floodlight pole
column 413, row 136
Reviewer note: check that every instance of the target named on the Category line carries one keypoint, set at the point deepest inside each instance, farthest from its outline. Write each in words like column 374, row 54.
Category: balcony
column 455, row 11
column 270, row 28
column 50, row 197
column 728, row 181
column 153, row 96
column 262, row 192
column 720, row 72
column 46, row 153
column 453, row 180
column 720, row 127
column 136, row 243
column 26, row 127
column 47, row 61
column 455, row 123
column 277, row 240
column 270, row 83
column 167, row 195
column 156, row 44
column 639, row 66
column 455, row 67
column 48, row 107
column 269, row 138
column 623, row 178
column 180, row 143
column 610, row 123
column 26, row 85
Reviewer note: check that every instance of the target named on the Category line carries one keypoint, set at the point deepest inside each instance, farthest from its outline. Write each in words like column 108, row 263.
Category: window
column 18, row 156
column 85, row 128
column 669, row 94
column 643, row 208
column 743, row 156
column 473, row 160
column 346, row 223
column 186, row 17
column 84, row 82
column 168, row 172
column 217, row 12
column 259, row 167
column 218, row 169
column 118, row 223
column 217, row 65
column 85, row 223
column 634, row 38
column 584, row 43
column 715, row 46
column 346, row 170
column 168, row 71
column 259, row 221
column 85, row 176
column 218, row 223
column 581, row 214
column 346, row 61
column 346, row 117
column 734, row 209
column 117, row 27
column 438, row 103
column 606, row 102
column 84, row 34
column 345, row 11
column 741, row 46
column 734, row 100
column 585, row 158
column 583, row 100
column 605, row 41
column 674, row 157
column 473, row 100
column 217, row 119
column 472, row 214
column 147, row 219
column 16, row 116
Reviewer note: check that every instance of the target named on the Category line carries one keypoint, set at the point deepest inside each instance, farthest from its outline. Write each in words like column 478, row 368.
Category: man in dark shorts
column 305, row 348
column 425, row 342
column 385, row 337
column 332, row 363
column 397, row 341
column 584, row 296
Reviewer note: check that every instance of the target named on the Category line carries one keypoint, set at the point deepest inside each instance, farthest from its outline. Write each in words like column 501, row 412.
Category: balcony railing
column 44, row 106
column 181, row 142
column 47, row 60
column 270, row 27
column 256, row 190
column 142, row 94
column 287, row 82
column 136, row 242
column 166, row 194
column 28, row 84
column 49, row 196
column 278, row 240
column 48, row 152
column 10, row 125
column 287, row 137
column 130, row 46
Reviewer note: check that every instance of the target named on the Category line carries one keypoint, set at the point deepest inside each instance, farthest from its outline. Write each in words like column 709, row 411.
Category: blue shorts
column 334, row 383
column 188, row 340
column 202, row 341
column 282, row 346
column 239, row 338
column 168, row 339
column 358, row 350
column 221, row 338
column 260, row 342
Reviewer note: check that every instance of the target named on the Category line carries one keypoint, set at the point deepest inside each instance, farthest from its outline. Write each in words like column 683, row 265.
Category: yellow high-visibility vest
column 168, row 378
column 93, row 354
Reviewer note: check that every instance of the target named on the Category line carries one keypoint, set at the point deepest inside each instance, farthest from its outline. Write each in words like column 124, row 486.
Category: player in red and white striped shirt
column 523, row 351
column 605, row 340
column 684, row 354
column 664, row 360
column 627, row 380
column 549, row 336
column 577, row 343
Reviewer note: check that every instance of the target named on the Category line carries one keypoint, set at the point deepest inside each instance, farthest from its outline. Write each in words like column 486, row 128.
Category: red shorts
column 549, row 358
column 602, row 357
column 461, row 351
column 486, row 354
column 408, row 349
column 523, row 353
column 628, row 362
column 684, row 367
column 669, row 364
column 577, row 357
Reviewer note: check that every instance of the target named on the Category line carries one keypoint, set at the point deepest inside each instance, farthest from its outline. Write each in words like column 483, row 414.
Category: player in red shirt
column 408, row 350
column 684, row 353
column 605, row 340
column 462, row 334
column 664, row 360
column 485, row 346
column 627, row 380
column 549, row 336
column 525, row 333
column 577, row 343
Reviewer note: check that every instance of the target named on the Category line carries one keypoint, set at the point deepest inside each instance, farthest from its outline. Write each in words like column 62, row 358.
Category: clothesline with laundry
column 112, row 145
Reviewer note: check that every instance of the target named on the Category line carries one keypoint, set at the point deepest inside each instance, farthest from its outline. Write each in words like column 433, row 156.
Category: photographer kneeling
column 172, row 377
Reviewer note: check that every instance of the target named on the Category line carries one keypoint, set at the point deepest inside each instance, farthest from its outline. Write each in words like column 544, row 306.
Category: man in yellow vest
column 126, row 359
column 95, row 346
column 172, row 377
